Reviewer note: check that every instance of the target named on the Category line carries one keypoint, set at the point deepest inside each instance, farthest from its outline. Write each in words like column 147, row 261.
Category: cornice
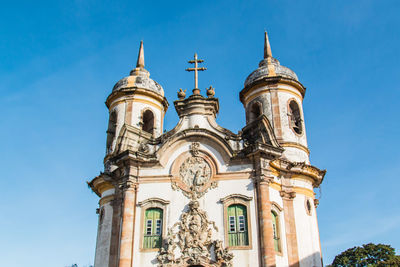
column 128, row 92
column 272, row 81
column 101, row 183
column 301, row 168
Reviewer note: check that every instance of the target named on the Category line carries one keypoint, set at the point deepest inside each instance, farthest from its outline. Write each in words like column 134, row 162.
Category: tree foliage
column 370, row 255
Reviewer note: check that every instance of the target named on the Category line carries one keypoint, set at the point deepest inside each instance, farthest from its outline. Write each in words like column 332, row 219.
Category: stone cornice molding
column 128, row 185
column 275, row 206
column 301, row 168
column 197, row 104
column 101, row 183
column 288, row 195
column 264, row 179
column 271, row 81
column 128, row 92
column 151, row 201
column 234, row 197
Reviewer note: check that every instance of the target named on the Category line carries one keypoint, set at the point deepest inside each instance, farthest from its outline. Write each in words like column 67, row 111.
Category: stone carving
column 194, row 176
column 195, row 172
column 189, row 242
column 181, row 93
column 194, row 148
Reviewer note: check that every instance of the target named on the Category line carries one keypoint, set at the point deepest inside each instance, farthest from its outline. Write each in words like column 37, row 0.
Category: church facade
column 199, row 194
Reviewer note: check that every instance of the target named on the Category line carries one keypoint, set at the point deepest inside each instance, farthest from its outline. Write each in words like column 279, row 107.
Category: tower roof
column 269, row 67
column 139, row 77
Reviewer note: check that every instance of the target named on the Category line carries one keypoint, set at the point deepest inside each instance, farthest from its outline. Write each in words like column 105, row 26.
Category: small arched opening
column 295, row 117
column 112, row 126
column 148, row 121
column 255, row 111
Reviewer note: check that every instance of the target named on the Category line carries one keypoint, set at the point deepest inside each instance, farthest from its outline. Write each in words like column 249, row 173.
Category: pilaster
column 266, row 228
column 290, row 227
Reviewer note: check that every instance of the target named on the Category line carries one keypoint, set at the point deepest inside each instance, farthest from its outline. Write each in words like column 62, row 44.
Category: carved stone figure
column 195, row 172
column 190, row 242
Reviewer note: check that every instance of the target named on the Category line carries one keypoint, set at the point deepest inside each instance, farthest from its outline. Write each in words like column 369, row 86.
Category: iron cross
column 196, row 69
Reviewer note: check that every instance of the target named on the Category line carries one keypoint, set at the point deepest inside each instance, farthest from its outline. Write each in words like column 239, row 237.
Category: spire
column 267, row 47
column 140, row 60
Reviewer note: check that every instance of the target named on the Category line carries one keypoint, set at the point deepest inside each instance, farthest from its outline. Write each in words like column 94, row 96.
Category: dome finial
column 140, row 60
column 267, row 47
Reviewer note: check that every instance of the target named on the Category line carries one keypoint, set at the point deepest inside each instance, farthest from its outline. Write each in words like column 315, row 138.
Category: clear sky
column 60, row 59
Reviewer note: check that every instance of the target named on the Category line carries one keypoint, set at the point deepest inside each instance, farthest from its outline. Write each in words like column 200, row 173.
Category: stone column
column 267, row 233
column 127, row 225
column 290, row 227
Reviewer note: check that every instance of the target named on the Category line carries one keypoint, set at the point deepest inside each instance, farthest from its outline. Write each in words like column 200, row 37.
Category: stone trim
column 290, row 228
column 106, row 199
column 276, row 114
column 153, row 202
column 275, row 206
column 245, row 201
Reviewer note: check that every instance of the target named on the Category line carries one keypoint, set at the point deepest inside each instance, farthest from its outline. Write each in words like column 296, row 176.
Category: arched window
column 255, row 111
column 237, row 226
column 276, row 229
column 152, row 236
column 148, row 121
column 295, row 120
column 112, row 125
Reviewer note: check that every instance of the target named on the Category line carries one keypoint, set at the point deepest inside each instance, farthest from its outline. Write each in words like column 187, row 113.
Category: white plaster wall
column 307, row 234
column 210, row 203
column 296, row 155
column 302, row 183
column 104, row 237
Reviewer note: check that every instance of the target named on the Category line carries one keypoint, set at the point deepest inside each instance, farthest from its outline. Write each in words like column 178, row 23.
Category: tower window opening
column 295, row 120
column 308, row 207
column 112, row 125
column 255, row 111
column 148, row 121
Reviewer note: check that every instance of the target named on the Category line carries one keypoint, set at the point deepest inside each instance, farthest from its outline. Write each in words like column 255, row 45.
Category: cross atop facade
column 196, row 69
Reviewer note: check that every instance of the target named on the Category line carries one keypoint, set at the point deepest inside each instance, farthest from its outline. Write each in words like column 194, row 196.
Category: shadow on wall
column 313, row 260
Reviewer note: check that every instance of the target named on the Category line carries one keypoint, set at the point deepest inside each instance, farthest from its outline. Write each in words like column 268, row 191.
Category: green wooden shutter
column 237, row 226
column 276, row 230
column 152, row 234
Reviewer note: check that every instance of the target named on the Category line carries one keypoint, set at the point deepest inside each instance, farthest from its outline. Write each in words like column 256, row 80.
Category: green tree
column 370, row 255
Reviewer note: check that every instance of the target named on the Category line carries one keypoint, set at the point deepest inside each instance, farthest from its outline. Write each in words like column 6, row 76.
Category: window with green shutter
column 153, row 228
column 275, row 228
column 237, row 226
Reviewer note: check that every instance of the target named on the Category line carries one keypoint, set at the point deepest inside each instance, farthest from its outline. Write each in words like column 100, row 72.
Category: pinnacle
column 267, row 47
column 140, row 60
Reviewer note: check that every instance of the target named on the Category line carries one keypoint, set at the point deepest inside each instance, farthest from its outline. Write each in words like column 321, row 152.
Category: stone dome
column 139, row 78
column 270, row 69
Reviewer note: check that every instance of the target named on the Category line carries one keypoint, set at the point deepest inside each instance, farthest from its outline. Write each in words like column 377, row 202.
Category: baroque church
column 199, row 194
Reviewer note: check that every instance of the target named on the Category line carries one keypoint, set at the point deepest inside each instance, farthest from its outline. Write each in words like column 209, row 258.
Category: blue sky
column 60, row 59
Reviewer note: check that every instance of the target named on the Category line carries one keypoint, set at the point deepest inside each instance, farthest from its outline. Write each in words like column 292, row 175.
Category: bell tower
column 274, row 90
column 136, row 101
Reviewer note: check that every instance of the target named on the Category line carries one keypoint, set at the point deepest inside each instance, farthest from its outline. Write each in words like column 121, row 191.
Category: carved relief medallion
column 195, row 172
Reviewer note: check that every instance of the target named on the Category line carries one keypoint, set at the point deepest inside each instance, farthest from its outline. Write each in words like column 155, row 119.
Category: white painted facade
column 147, row 168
